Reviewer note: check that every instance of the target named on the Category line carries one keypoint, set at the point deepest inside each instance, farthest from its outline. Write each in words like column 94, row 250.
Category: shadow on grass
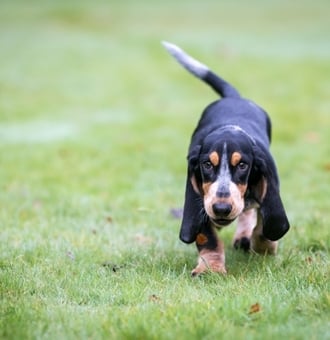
column 180, row 262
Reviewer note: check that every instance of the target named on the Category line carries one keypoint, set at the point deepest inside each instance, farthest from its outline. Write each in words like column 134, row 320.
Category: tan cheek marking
column 201, row 239
column 214, row 158
column 235, row 158
column 242, row 188
column 206, row 187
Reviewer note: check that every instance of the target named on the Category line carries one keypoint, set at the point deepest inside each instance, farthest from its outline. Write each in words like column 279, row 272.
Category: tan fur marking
column 262, row 186
column 242, row 188
column 201, row 239
column 259, row 244
column 235, row 158
column 194, row 184
column 214, row 158
column 211, row 261
column 206, row 187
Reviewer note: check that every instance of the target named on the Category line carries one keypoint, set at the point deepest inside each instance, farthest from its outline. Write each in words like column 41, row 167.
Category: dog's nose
column 222, row 208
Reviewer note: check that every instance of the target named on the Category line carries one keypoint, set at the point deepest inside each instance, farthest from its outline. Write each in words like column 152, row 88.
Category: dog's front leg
column 211, row 252
column 247, row 220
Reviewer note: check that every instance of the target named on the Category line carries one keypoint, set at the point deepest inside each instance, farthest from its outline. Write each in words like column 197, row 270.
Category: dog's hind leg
column 259, row 243
column 211, row 252
column 245, row 225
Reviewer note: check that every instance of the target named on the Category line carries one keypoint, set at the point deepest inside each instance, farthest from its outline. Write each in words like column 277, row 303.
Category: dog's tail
column 201, row 71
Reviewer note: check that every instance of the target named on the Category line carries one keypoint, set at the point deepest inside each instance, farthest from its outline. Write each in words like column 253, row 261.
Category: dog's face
column 229, row 172
column 221, row 175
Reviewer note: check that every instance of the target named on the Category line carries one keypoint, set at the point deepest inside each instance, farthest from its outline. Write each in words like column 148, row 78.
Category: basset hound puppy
column 231, row 175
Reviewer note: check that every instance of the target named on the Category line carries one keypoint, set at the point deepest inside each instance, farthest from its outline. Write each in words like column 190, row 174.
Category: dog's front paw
column 242, row 243
column 211, row 262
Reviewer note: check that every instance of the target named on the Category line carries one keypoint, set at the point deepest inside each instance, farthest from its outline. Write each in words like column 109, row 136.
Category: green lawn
column 95, row 123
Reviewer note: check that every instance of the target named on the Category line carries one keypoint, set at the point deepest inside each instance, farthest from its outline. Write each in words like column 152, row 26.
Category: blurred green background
column 95, row 122
column 95, row 73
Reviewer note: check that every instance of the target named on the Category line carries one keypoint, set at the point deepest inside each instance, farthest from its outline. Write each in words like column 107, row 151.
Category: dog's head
column 226, row 173
column 220, row 170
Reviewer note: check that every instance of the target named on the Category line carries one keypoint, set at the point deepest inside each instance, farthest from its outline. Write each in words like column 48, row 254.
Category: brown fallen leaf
column 309, row 259
column 109, row 219
column 255, row 308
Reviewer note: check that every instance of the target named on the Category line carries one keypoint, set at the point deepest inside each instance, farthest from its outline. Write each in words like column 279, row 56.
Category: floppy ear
column 193, row 206
column 275, row 221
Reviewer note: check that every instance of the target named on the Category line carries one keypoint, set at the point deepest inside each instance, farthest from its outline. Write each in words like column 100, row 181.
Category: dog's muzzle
column 221, row 212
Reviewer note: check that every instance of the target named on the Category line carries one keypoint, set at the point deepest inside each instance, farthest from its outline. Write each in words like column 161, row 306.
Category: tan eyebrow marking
column 235, row 158
column 214, row 158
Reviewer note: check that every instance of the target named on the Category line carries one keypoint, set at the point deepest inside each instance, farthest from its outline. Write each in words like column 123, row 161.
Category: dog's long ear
column 275, row 221
column 193, row 205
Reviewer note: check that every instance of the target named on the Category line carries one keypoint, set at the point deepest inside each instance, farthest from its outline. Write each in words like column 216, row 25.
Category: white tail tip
column 192, row 65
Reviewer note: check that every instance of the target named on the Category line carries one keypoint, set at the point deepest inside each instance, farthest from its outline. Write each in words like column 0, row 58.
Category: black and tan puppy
column 231, row 174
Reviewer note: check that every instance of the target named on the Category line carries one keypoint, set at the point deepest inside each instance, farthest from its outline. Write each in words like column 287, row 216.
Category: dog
column 231, row 175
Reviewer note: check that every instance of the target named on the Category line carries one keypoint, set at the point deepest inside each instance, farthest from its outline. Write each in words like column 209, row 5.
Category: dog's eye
column 207, row 165
column 242, row 166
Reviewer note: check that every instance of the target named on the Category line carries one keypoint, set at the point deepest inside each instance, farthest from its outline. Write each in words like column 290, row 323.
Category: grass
column 95, row 124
